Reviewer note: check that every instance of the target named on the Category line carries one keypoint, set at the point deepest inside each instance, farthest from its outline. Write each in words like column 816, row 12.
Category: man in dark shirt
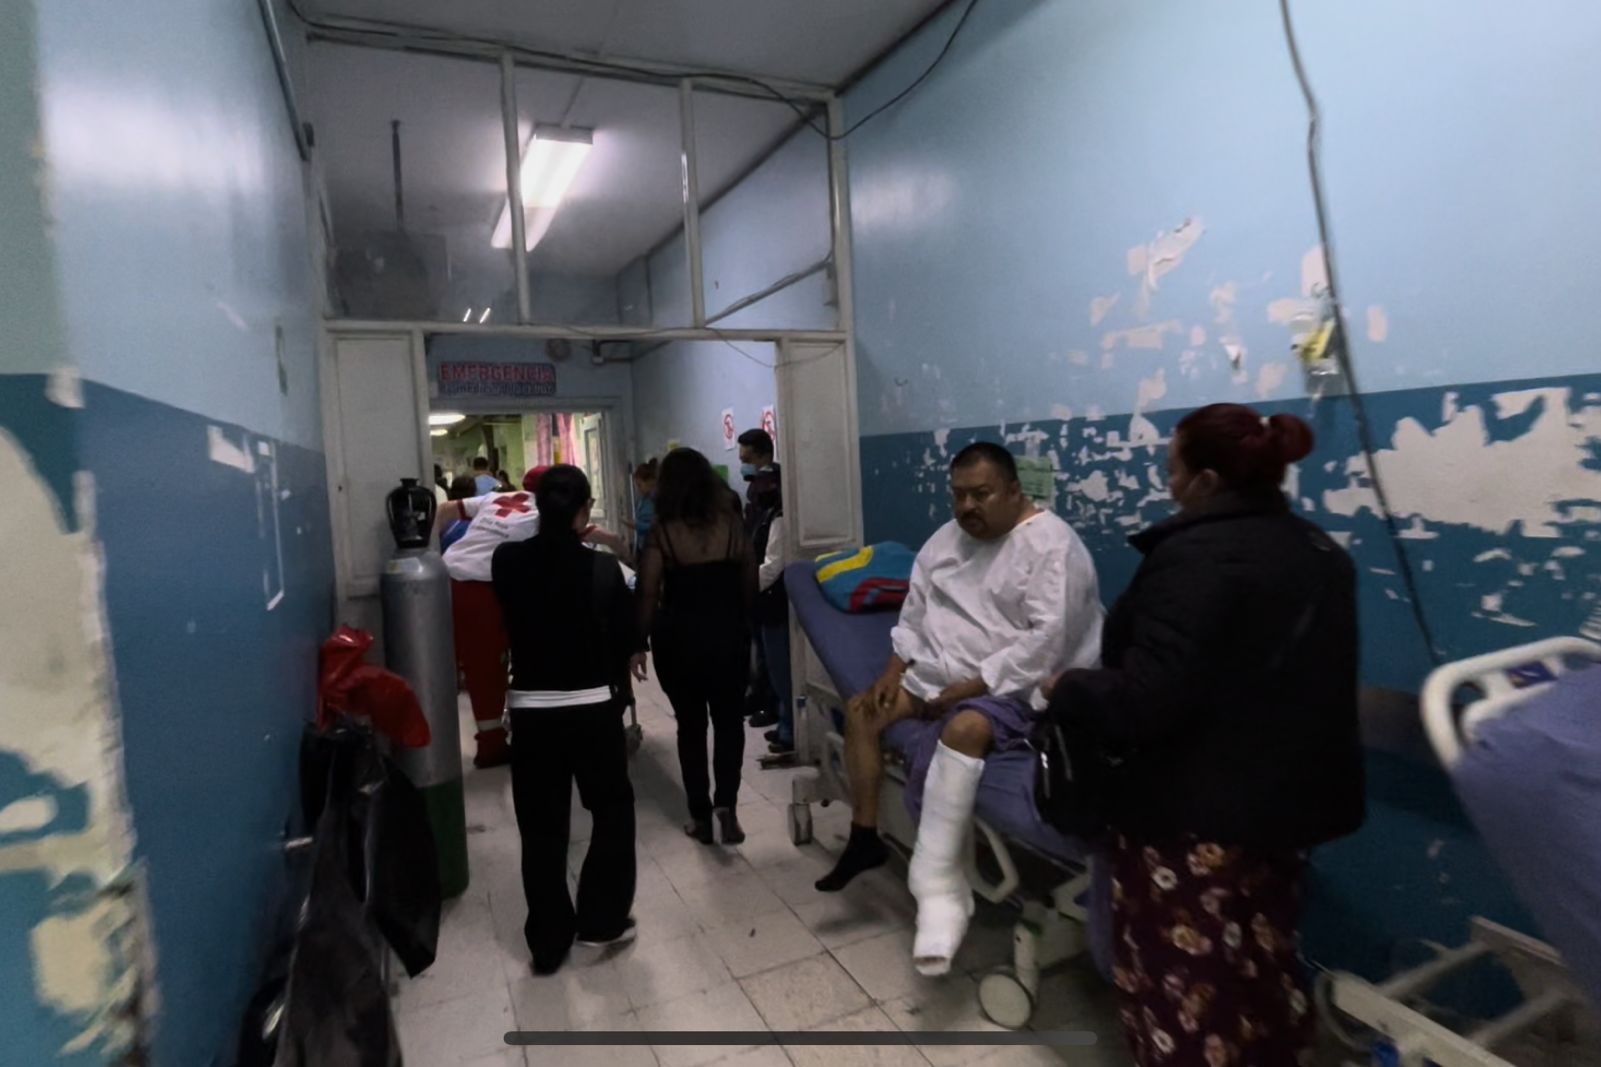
column 764, row 500
column 569, row 617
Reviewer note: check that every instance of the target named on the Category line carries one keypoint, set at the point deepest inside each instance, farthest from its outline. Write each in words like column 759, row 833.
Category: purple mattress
column 1532, row 784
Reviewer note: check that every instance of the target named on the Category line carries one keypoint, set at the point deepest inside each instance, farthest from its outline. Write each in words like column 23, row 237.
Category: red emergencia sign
column 497, row 379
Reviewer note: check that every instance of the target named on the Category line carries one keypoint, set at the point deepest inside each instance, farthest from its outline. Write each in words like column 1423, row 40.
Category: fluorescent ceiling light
column 485, row 316
column 550, row 163
column 465, row 315
column 438, row 431
column 445, row 418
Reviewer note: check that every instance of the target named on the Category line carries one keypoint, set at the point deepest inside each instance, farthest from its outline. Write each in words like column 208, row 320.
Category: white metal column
column 691, row 175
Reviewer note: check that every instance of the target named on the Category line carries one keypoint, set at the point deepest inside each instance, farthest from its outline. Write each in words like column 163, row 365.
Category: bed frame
column 1052, row 926
column 1405, row 1031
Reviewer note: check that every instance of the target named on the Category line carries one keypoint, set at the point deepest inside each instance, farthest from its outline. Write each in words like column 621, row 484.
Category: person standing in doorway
column 697, row 585
column 571, row 622
column 493, row 519
column 644, row 503
column 462, row 488
column 764, row 504
column 763, row 496
column 487, row 482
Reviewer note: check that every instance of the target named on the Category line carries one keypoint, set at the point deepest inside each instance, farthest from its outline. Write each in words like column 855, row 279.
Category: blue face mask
column 747, row 471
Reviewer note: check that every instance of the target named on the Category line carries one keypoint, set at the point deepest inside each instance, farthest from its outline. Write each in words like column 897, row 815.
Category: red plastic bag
column 348, row 686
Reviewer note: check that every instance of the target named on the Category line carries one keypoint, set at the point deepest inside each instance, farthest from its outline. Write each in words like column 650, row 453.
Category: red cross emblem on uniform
column 512, row 505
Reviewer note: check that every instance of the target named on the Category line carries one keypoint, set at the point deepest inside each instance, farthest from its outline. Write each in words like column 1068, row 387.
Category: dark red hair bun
column 1292, row 437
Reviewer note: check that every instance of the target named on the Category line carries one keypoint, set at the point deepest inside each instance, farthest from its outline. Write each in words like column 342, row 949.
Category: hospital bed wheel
column 1005, row 1000
column 800, row 824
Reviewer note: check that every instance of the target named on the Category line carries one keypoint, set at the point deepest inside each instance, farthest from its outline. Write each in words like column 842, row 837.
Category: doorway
column 517, row 441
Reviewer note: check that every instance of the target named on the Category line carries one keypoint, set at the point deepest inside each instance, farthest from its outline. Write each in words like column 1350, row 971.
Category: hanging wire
column 1342, row 352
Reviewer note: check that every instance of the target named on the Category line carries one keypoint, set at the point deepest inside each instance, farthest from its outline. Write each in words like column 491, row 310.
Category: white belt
column 558, row 698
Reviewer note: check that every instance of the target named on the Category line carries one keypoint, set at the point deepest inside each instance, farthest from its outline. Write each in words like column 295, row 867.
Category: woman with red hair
column 1223, row 723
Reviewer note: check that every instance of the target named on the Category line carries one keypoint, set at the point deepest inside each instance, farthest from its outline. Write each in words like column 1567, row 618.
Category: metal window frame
column 403, row 38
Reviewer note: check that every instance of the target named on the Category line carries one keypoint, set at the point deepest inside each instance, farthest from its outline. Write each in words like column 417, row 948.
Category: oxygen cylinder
column 419, row 645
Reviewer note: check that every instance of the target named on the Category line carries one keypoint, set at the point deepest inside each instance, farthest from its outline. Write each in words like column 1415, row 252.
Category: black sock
column 864, row 851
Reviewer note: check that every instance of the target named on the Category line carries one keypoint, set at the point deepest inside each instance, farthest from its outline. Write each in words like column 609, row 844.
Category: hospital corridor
column 761, row 533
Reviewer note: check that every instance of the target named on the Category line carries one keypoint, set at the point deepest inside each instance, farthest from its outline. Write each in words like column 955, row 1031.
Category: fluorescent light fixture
column 465, row 315
column 550, row 163
column 445, row 418
column 438, row 431
column 485, row 316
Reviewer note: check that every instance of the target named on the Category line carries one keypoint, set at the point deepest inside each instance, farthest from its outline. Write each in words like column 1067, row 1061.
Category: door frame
column 790, row 351
column 348, row 587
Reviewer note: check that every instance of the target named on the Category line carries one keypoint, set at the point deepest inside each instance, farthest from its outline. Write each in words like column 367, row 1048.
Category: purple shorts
column 917, row 740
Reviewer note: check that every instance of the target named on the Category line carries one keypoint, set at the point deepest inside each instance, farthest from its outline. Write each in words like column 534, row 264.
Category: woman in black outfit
column 1228, row 692
column 570, row 620
column 697, row 585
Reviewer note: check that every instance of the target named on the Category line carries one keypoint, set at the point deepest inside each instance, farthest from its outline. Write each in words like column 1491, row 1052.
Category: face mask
column 747, row 471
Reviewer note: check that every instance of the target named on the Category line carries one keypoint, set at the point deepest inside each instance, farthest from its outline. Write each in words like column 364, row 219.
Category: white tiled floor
column 729, row 939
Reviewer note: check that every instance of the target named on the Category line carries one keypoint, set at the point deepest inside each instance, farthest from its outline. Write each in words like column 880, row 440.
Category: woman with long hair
column 1223, row 724
column 697, row 585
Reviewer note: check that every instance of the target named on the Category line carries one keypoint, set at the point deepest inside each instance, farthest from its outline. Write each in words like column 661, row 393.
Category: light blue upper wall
column 27, row 286
column 774, row 223
column 682, row 389
column 180, row 218
column 993, row 207
column 771, row 225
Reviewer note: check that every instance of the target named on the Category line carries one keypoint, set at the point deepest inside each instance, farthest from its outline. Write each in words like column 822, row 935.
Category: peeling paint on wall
column 1378, row 324
column 56, row 719
column 1475, row 470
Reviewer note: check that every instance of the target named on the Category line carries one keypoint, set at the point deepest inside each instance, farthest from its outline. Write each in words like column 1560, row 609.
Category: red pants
column 480, row 649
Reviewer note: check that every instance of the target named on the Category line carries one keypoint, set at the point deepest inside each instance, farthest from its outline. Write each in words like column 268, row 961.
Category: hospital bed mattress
column 854, row 649
column 1531, row 781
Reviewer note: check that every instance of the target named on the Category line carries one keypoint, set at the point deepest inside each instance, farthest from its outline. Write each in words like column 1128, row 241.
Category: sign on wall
column 730, row 430
column 497, row 379
column 770, row 421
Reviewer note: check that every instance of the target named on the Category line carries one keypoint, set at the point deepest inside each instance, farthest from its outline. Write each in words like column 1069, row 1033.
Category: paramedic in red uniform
column 493, row 519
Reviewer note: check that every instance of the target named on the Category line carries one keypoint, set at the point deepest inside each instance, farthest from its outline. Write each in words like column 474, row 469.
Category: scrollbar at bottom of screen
column 742, row 1038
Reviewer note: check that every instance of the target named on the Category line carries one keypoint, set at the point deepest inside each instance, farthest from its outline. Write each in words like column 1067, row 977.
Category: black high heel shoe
column 701, row 830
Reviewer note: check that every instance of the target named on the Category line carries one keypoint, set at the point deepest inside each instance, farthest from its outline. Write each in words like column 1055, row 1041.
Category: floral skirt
column 1207, row 954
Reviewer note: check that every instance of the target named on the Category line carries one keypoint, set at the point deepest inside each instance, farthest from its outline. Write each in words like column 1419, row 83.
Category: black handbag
column 1073, row 779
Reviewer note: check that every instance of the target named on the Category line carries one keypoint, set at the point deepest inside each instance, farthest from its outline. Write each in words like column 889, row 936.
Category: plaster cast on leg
column 938, row 878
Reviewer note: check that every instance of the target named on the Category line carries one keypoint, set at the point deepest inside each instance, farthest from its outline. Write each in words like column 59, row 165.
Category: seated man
column 1000, row 598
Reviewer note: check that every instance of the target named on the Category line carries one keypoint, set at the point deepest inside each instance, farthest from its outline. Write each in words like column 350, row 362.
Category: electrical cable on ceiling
column 1342, row 352
column 804, row 109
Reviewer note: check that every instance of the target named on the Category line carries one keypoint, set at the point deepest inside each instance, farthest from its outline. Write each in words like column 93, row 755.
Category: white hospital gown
column 1013, row 612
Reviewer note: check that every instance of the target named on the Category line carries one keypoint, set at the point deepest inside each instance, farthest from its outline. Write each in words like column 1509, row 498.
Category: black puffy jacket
column 1229, row 684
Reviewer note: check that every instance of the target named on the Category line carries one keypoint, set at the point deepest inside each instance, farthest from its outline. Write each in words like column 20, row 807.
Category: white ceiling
column 627, row 196
column 818, row 41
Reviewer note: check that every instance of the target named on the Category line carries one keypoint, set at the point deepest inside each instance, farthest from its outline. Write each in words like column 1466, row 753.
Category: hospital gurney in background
column 1014, row 856
column 1525, row 756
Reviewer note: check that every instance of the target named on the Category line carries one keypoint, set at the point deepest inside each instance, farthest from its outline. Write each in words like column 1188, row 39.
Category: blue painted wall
column 179, row 257
column 1090, row 221
column 682, row 389
column 770, row 226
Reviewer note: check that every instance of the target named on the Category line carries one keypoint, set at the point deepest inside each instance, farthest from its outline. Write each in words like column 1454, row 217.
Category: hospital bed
column 837, row 655
column 1533, row 789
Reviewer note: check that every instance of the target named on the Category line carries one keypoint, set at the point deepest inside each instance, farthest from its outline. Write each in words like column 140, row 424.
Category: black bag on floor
column 393, row 865
column 336, row 1011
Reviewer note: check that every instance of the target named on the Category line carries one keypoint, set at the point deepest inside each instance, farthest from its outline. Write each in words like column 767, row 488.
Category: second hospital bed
column 1014, row 855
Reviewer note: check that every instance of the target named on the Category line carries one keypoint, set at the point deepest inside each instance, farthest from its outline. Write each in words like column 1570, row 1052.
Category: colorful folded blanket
column 874, row 578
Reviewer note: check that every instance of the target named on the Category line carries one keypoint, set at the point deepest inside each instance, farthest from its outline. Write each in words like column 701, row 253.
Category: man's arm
column 452, row 510
column 777, row 556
